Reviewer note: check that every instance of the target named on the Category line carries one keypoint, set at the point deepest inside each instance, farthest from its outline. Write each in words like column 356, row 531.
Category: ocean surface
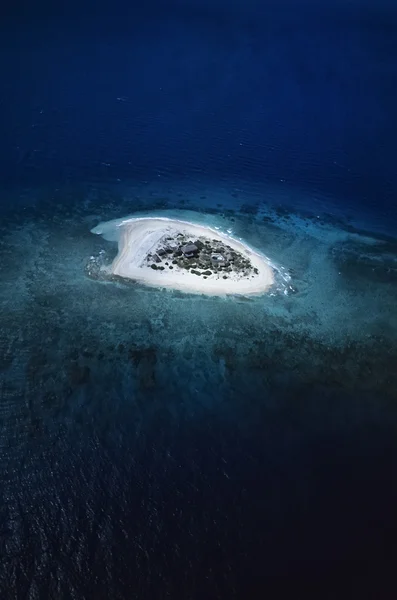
column 161, row 445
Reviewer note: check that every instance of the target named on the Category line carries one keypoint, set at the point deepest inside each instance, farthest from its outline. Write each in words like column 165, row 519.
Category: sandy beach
column 138, row 238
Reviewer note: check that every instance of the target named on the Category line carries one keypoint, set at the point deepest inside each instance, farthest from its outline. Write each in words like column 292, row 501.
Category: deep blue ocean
column 161, row 445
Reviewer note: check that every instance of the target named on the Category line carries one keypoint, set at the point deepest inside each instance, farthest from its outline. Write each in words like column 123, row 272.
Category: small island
column 176, row 254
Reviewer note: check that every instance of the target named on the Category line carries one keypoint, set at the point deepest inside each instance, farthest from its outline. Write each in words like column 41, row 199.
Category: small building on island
column 218, row 260
column 173, row 245
column 189, row 250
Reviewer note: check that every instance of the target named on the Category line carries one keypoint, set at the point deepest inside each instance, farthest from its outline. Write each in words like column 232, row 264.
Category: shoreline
column 139, row 238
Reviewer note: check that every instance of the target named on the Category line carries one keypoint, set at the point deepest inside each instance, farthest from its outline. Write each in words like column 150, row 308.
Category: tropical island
column 177, row 254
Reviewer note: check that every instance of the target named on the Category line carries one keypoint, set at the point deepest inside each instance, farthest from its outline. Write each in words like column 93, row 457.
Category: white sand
column 138, row 237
